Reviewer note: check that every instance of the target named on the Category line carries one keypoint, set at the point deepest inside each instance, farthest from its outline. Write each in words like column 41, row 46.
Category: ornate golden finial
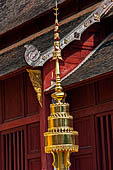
column 61, row 139
column 57, row 50
column 58, row 95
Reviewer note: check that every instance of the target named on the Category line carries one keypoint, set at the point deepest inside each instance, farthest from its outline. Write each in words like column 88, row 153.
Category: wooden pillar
column 46, row 160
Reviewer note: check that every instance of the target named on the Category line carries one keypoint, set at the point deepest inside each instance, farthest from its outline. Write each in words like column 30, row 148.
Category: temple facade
column 27, row 80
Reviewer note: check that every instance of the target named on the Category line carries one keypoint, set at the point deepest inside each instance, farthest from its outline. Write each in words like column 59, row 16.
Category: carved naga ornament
column 60, row 140
column 35, row 58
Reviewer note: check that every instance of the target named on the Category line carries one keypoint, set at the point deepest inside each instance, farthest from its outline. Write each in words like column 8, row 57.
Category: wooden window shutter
column 13, row 150
column 104, row 131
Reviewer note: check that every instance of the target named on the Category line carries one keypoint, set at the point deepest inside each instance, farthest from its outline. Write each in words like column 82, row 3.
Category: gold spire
column 58, row 95
column 57, row 50
column 61, row 139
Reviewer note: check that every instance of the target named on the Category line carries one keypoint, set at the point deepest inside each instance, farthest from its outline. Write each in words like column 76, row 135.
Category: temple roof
column 98, row 62
column 13, row 59
column 15, row 12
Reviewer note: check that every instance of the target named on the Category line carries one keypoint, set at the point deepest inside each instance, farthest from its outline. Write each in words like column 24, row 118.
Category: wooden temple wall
column 19, row 125
column 92, row 108
column 22, row 126
column 23, row 122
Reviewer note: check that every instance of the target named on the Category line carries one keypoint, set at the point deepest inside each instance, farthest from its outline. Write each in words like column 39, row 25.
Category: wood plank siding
column 19, row 125
column 93, row 118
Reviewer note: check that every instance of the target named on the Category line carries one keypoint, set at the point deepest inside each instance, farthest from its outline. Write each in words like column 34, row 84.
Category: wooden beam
column 20, row 122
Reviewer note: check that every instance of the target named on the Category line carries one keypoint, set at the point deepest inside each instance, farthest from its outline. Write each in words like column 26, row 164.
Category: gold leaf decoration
column 36, row 79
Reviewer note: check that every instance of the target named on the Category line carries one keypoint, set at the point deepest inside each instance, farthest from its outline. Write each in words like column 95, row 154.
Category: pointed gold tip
column 56, row 8
column 59, row 94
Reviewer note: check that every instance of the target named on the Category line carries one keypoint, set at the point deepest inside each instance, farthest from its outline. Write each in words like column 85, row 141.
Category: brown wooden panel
column 86, row 157
column 85, row 128
column 82, row 163
column 81, row 97
column 20, row 122
column 35, row 164
column 31, row 104
column 105, row 90
column 13, row 156
column 13, row 97
column 34, row 138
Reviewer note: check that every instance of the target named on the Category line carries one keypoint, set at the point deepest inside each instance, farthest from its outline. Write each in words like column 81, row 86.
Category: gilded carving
column 97, row 17
column 36, row 79
column 65, row 41
column 86, row 24
column 44, row 57
column 104, row 6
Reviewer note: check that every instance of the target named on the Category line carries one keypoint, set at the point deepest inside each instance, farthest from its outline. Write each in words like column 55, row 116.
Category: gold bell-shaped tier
column 61, row 140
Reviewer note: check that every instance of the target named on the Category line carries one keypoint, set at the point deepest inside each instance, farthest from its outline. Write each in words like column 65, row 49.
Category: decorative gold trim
column 86, row 24
column 36, row 79
column 97, row 17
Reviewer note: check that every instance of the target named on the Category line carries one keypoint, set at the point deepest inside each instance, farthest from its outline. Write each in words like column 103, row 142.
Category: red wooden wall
column 19, row 124
column 92, row 108
column 21, row 132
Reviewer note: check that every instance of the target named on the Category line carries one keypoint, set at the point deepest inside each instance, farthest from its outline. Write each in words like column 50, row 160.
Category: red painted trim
column 20, row 122
column 101, row 108
column 16, row 72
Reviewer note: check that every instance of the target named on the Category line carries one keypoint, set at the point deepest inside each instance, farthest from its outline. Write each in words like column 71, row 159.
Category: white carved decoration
column 33, row 56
